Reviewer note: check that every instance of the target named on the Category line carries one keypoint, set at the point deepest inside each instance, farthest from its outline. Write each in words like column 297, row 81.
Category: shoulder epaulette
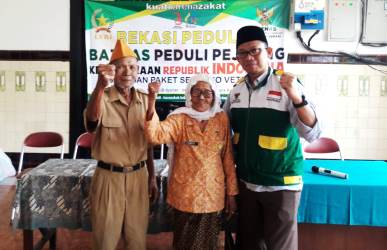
column 240, row 80
column 142, row 91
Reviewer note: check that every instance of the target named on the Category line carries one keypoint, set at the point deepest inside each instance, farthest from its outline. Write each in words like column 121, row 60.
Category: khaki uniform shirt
column 119, row 135
column 203, row 167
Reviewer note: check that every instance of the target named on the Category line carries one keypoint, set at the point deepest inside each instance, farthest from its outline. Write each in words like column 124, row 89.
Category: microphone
column 329, row 172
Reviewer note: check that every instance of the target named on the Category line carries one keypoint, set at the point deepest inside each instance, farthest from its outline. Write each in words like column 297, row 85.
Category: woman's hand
column 231, row 206
column 153, row 89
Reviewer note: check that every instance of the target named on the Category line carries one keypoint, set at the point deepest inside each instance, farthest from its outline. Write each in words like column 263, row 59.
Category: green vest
column 267, row 147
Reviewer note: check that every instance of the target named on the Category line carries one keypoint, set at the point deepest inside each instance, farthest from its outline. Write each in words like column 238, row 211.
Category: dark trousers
column 267, row 220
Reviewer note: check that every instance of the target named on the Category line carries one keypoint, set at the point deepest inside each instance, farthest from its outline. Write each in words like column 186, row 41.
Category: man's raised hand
column 106, row 73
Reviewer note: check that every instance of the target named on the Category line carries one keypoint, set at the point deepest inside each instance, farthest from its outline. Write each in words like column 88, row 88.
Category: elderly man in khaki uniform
column 119, row 193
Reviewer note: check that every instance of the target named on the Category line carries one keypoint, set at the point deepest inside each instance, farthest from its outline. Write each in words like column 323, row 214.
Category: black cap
column 250, row 33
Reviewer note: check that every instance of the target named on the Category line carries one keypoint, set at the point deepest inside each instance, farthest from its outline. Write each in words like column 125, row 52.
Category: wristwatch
column 301, row 104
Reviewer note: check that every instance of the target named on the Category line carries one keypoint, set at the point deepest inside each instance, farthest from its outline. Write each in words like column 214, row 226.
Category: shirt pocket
column 272, row 143
column 111, row 128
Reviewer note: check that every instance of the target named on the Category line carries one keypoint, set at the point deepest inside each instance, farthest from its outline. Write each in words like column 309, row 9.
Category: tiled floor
column 66, row 239
column 311, row 236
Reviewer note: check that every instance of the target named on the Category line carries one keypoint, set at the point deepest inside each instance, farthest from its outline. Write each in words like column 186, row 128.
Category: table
column 55, row 194
column 344, row 214
column 359, row 200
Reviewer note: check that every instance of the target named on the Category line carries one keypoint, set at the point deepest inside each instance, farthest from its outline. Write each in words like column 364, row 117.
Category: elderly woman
column 202, row 179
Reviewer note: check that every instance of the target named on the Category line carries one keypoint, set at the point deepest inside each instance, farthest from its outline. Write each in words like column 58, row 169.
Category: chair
column 158, row 222
column 323, row 145
column 84, row 140
column 161, row 165
column 161, row 171
column 41, row 140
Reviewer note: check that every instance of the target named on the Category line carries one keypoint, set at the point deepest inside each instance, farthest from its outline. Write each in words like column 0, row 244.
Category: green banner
column 176, row 39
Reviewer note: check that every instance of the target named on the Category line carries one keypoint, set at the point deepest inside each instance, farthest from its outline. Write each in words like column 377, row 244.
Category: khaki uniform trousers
column 119, row 206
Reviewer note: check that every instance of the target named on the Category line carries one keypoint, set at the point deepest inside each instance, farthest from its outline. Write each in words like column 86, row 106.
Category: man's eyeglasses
column 252, row 52
column 205, row 92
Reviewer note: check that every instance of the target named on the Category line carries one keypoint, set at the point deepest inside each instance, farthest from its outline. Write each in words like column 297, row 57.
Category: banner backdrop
column 175, row 39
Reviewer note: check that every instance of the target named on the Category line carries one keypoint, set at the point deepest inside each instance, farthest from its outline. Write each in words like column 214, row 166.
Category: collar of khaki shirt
column 114, row 95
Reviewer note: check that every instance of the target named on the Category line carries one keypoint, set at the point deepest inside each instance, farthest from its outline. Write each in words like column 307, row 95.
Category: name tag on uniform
column 192, row 143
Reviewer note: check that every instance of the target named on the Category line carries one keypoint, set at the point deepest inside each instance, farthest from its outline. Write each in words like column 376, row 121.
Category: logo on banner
column 264, row 16
column 102, row 21
column 189, row 20
column 273, row 95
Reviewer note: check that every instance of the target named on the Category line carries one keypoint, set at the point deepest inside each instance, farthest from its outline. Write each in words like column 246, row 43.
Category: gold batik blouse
column 203, row 165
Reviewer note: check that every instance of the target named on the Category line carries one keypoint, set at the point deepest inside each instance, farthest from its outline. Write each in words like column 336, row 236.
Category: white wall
column 320, row 42
column 353, row 111
column 35, row 25
column 32, row 107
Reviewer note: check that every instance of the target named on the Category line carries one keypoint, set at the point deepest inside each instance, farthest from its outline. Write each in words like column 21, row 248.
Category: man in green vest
column 269, row 112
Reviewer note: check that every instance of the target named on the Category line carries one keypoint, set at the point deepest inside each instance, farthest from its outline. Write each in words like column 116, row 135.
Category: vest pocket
column 272, row 143
column 289, row 180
